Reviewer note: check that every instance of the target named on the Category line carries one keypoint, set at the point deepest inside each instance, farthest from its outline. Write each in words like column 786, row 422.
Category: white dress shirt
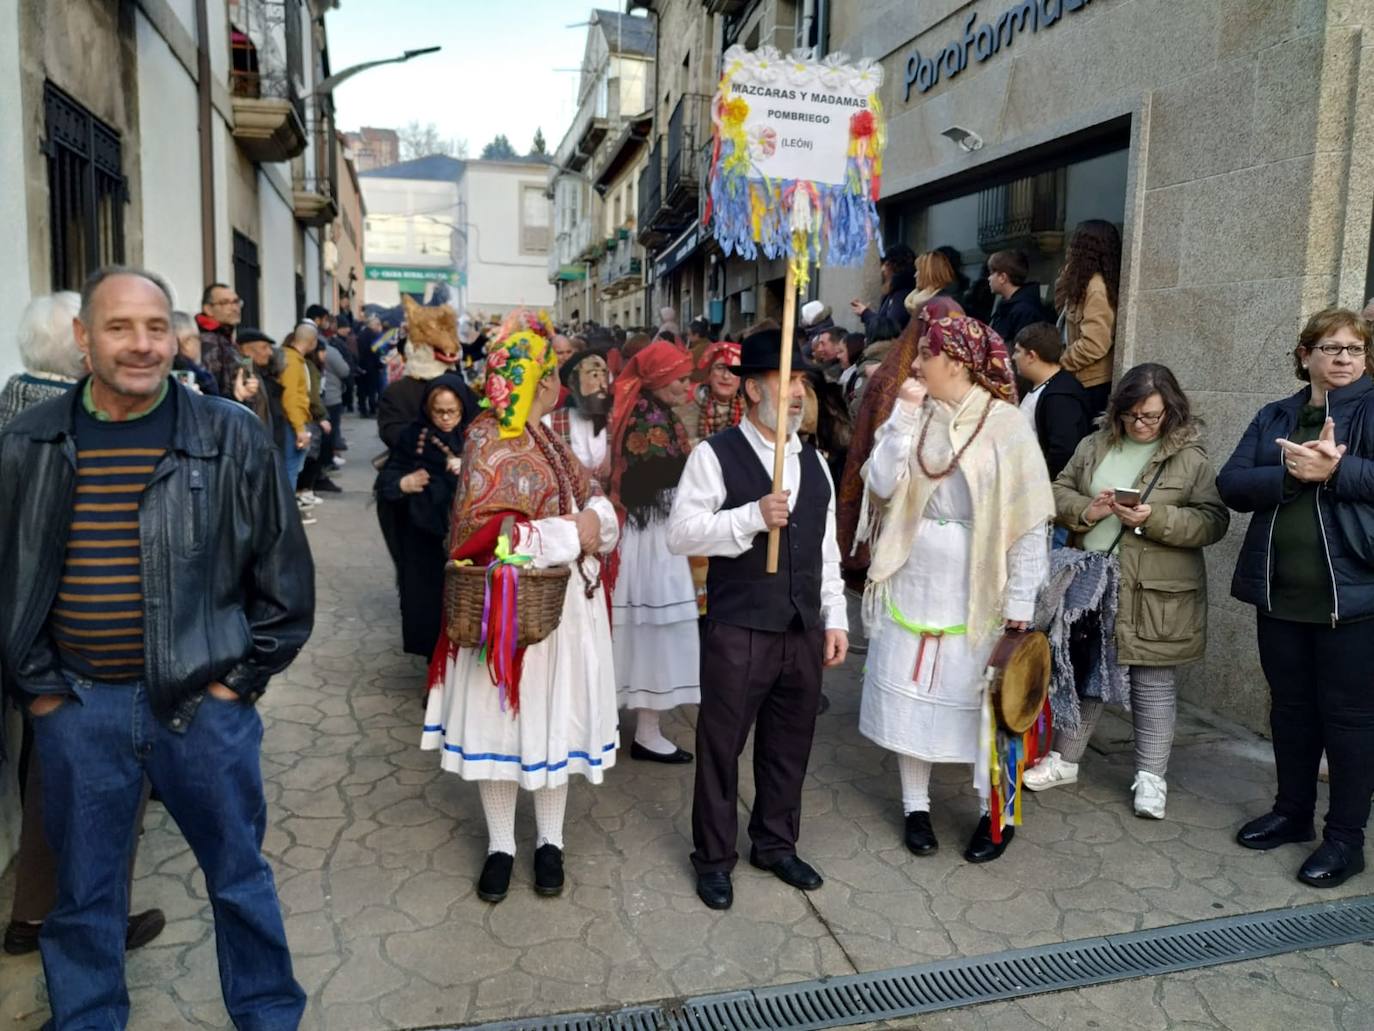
column 698, row 526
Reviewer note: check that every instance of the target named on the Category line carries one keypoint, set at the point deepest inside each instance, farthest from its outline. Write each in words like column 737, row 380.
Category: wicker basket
column 539, row 600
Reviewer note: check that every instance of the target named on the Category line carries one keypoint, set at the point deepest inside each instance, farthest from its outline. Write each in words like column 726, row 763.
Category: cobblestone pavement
column 376, row 853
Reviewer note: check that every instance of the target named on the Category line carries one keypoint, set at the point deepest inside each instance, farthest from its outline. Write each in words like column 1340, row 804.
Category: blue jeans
column 295, row 456
column 96, row 749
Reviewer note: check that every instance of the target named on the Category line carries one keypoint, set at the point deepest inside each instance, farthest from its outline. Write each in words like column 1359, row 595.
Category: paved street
column 376, row 853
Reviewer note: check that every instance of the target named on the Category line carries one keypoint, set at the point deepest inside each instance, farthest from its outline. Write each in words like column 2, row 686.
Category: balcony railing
column 623, row 267
column 1027, row 213
column 651, row 193
column 266, row 57
column 688, row 127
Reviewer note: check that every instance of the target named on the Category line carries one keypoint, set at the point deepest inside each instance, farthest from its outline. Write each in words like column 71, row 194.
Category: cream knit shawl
column 1010, row 486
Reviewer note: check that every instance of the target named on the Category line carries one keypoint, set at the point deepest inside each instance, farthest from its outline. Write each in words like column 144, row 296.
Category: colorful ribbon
column 501, row 624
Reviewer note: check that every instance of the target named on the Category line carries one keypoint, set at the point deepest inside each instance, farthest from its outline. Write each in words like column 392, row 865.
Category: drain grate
column 908, row 991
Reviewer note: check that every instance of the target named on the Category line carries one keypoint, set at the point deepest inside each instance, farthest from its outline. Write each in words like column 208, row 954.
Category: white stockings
column 498, row 805
column 916, row 786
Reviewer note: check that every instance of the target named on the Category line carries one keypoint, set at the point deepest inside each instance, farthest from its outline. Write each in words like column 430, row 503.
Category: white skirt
column 934, row 712
column 567, row 722
column 655, row 640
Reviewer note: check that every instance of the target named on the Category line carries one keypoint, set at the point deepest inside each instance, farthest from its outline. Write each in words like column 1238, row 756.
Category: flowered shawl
column 649, row 443
column 880, row 394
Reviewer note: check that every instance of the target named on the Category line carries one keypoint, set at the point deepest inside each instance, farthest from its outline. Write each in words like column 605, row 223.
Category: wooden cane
column 789, row 319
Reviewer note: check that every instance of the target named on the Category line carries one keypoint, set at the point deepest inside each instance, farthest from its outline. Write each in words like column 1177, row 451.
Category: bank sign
column 982, row 41
column 396, row 273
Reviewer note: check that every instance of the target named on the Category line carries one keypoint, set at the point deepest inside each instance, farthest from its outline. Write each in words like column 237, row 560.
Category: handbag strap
column 1143, row 498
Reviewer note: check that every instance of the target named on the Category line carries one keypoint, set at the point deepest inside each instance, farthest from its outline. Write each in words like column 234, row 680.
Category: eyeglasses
column 720, row 367
column 231, row 301
column 1142, row 418
column 446, row 413
column 1332, row 350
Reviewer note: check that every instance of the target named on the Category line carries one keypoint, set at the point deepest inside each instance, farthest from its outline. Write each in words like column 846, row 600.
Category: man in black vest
column 766, row 637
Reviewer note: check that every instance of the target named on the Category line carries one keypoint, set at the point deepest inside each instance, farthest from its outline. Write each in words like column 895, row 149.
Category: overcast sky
column 495, row 74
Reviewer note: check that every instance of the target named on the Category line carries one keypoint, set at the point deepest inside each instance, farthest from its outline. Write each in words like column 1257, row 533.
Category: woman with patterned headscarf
column 530, row 717
column 657, row 656
column 879, row 393
column 957, row 505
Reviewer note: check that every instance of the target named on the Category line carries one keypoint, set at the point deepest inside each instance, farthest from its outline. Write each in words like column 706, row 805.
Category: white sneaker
column 1150, row 793
column 339, row 461
column 311, row 498
column 308, row 517
column 1050, row 772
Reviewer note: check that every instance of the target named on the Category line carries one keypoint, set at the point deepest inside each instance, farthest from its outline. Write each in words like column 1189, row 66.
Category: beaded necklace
column 555, row 456
column 953, row 462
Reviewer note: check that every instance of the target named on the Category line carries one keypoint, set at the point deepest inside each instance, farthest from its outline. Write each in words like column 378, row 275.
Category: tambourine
column 1019, row 679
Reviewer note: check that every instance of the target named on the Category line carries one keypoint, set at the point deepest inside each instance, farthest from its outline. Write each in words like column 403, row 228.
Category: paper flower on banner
column 801, row 69
column 834, row 71
column 866, row 78
column 764, row 143
column 768, row 65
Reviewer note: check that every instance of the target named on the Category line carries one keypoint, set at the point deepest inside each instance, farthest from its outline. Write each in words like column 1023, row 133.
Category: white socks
column 498, row 805
column 915, row 784
column 648, row 735
column 549, row 806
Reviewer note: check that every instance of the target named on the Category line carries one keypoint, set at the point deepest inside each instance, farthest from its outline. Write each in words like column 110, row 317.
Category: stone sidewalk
column 376, row 853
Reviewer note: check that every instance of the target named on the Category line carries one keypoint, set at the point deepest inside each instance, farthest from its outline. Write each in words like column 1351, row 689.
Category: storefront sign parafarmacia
column 984, row 40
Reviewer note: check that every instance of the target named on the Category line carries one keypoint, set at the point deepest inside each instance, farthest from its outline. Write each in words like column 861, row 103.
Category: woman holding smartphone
column 1143, row 487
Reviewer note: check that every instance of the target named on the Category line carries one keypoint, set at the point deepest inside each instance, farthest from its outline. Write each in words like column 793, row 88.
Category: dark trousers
column 96, row 749
column 1321, row 699
column 335, row 437
column 368, row 392
column 751, row 677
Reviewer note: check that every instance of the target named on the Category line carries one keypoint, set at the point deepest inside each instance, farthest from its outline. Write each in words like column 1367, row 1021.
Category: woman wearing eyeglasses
column 1148, row 450
column 1305, row 468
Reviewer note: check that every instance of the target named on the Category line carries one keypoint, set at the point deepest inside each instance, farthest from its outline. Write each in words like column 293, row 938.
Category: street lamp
column 334, row 80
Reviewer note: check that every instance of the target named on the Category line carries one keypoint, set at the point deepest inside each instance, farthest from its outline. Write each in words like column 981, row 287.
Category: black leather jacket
column 228, row 581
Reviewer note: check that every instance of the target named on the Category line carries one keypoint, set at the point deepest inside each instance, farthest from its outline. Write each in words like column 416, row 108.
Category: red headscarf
column 973, row 344
column 657, row 366
column 724, row 351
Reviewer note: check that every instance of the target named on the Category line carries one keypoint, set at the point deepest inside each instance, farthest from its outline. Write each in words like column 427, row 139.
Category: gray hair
column 182, row 323
column 98, row 277
column 47, row 342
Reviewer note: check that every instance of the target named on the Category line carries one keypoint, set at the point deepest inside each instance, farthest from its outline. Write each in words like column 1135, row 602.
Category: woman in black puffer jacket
column 1305, row 468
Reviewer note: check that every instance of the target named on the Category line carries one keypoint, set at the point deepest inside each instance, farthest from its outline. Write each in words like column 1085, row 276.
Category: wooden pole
column 789, row 321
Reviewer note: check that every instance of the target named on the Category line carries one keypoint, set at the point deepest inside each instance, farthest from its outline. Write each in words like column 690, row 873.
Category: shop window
column 86, row 190
column 247, row 273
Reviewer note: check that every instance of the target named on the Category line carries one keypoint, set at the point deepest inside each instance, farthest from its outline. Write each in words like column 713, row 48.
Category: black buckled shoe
column 143, row 928
column 981, row 848
column 715, row 890
column 1272, row 830
column 920, row 836
column 548, row 870
column 21, row 937
column 494, row 883
column 648, row 755
column 1334, row 863
column 790, row 870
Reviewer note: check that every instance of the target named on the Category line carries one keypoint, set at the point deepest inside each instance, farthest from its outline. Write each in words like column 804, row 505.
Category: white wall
column 277, row 257
column 499, row 275
column 171, row 167
column 310, row 271
column 222, row 146
column 15, row 289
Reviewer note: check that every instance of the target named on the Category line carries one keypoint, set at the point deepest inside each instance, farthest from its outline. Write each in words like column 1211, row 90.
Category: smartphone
column 1127, row 497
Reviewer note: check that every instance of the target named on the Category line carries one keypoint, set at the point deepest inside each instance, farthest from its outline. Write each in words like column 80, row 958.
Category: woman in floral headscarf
column 720, row 405
column 657, row 657
column 533, row 717
column 956, row 512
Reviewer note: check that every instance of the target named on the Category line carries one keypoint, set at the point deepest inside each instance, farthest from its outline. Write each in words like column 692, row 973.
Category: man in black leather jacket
column 132, row 484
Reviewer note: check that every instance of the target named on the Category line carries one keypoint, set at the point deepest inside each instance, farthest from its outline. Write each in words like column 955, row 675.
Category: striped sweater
column 97, row 619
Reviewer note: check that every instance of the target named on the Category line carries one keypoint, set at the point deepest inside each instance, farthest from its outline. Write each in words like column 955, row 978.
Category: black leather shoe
column 1332, row 864
column 638, row 751
column 790, row 870
column 143, row 928
column 823, row 706
column 920, row 836
column 21, row 937
column 495, row 880
column 548, row 870
column 981, row 848
column 1272, row 830
column 327, row 486
column 715, row 890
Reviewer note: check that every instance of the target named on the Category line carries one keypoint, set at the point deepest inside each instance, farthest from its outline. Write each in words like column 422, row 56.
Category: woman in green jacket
column 1148, row 436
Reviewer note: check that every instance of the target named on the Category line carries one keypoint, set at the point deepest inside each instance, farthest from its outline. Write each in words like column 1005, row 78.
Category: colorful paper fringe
column 501, row 625
column 804, row 221
column 1010, row 756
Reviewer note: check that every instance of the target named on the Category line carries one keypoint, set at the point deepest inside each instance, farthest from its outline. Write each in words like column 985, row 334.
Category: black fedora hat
column 762, row 352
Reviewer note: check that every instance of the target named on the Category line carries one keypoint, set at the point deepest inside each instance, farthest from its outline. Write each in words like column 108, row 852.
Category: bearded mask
column 588, row 378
